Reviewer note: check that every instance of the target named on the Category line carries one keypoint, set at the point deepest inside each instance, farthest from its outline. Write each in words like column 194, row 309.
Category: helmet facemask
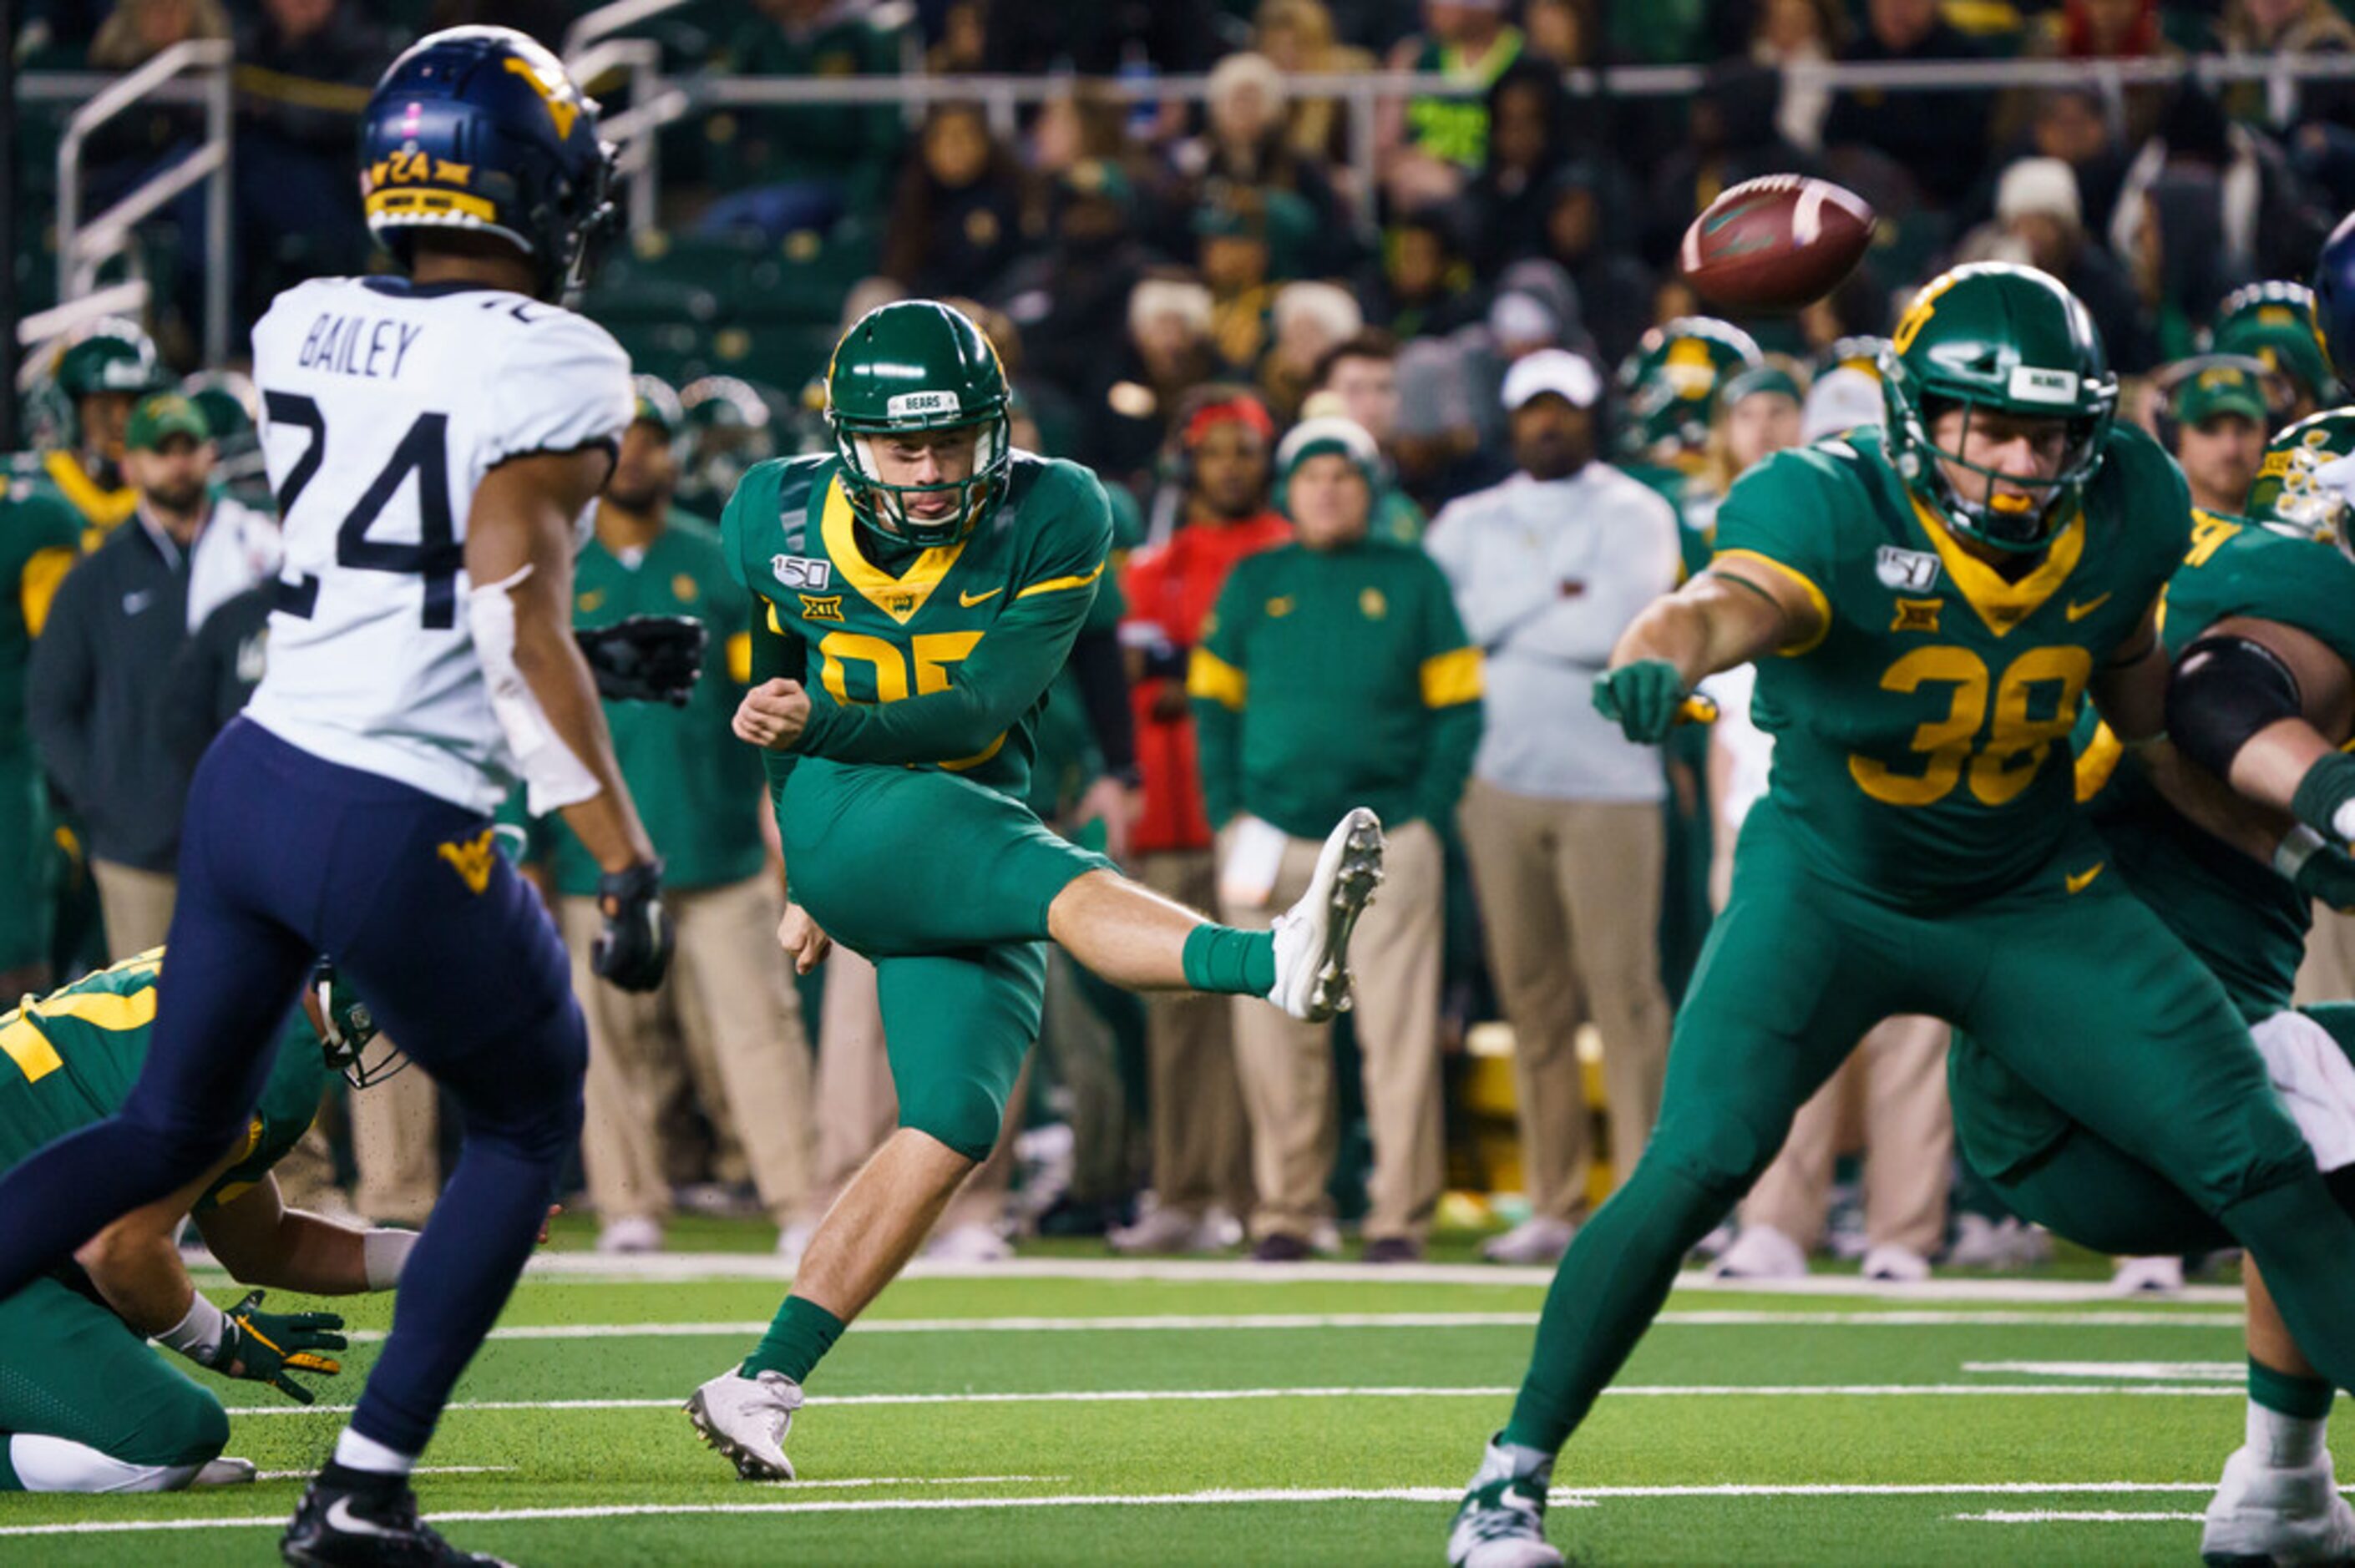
column 347, row 1029
column 2022, row 524
column 2315, row 501
column 883, row 506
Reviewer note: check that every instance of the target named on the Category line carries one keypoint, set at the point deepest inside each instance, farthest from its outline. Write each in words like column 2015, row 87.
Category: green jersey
column 914, row 657
column 696, row 785
column 1917, row 732
column 58, row 478
column 2244, row 921
column 40, row 539
column 72, row 1057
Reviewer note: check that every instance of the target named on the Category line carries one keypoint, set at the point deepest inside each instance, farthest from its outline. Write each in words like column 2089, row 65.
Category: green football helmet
column 347, row 1029
column 1996, row 338
column 1669, row 388
column 910, row 367
column 728, row 426
column 231, row 406
column 111, row 355
column 2305, row 486
column 2273, row 322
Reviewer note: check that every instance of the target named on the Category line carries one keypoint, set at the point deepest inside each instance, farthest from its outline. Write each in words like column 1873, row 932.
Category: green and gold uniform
column 70, row 1367
column 695, row 784
column 39, row 542
column 901, row 806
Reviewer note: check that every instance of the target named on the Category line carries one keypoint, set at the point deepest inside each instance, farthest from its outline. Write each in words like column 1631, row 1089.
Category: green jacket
column 696, row 786
column 1332, row 679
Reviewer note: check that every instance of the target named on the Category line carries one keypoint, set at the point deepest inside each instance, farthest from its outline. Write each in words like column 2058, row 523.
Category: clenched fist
column 773, row 714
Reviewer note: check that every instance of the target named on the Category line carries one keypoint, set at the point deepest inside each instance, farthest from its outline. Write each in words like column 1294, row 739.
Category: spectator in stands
column 1940, row 136
column 962, row 46
column 1562, row 820
column 1357, row 379
column 1163, row 354
column 1307, row 321
column 2289, row 29
column 2262, row 226
column 1590, row 231
column 1071, row 300
column 1098, row 37
column 956, row 222
column 1336, row 672
column 1246, row 241
column 1243, row 147
column 1431, row 147
column 306, row 70
column 1219, row 448
column 1734, row 137
column 1424, row 285
column 1757, row 415
column 1536, row 308
column 2071, row 124
column 1298, row 34
column 2217, row 421
column 2039, row 221
column 1799, row 32
column 805, row 166
column 1529, row 139
column 2174, row 228
column 1561, row 32
column 95, row 691
column 699, row 793
column 1440, row 455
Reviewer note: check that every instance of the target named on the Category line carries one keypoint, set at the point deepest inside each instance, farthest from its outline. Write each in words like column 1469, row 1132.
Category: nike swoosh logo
column 2079, row 611
column 340, row 1517
column 970, row 600
column 2084, row 879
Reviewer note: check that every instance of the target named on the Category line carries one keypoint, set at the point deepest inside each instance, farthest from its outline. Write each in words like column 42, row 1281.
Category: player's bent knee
column 964, row 1117
column 183, row 1426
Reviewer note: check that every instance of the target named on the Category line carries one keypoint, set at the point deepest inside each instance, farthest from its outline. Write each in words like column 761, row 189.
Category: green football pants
column 72, row 1369
column 2083, row 996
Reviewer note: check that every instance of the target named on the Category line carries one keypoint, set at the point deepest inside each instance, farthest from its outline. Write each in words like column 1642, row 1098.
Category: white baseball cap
column 1566, row 375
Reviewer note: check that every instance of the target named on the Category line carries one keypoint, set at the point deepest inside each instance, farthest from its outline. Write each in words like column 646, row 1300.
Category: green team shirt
column 918, row 657
column 40, row 539
column 1328, row 679
column 72, row 1058
column 696, row 785
column 57, row 477
column 1921, row 737
column 2244, row 921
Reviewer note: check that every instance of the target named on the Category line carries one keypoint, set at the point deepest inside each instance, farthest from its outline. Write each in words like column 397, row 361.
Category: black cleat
column 351, row 1519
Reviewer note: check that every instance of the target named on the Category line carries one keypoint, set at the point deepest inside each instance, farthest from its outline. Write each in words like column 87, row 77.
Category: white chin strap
column 552, row 775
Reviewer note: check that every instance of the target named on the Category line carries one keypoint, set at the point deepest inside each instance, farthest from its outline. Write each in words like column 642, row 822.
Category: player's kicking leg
column 984, row 1011
column 2279, row 1504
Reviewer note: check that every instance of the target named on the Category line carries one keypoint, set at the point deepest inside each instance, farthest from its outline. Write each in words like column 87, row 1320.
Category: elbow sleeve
column 2224, row 690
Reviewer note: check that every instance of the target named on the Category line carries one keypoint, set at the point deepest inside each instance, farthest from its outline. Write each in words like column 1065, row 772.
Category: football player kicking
column 85, row 1407
column 434, row 439
column 927, row 580
column 1942, row 598
column 2258, row 624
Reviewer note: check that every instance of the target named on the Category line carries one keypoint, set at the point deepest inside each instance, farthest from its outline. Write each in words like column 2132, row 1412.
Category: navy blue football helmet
column 2334, row 299
column 480, row 128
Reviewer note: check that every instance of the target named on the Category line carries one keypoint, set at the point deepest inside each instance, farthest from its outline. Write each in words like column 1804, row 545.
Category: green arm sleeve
column 1451, row 695
column 775, row 656
column 1219, row 684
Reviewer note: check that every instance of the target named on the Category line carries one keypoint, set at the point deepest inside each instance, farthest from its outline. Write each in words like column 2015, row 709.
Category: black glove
column 264, row 1346
column 646, row 658
column 634, row 949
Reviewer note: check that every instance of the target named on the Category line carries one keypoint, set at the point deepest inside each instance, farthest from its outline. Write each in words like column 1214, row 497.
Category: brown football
column 1775, row 243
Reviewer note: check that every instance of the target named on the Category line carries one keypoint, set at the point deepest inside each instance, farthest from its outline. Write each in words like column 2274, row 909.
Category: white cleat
column 1312, row 938
column 224, row 1472
column 1761, row 1252
column 1537, row 1240
column 2146, row 1276
column 792, row 1240
column 1893, row 1265
column 2262, row 1516
column 969, row 1244
column 1502, row 1522
column 626, row 1234
column 745, row 1419
column 1166, row 1230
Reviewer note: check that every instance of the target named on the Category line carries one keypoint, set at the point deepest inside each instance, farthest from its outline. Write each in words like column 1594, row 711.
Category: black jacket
column 95, row 693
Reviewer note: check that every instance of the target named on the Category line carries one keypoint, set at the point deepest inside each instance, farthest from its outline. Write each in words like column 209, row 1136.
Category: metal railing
column 84, row 247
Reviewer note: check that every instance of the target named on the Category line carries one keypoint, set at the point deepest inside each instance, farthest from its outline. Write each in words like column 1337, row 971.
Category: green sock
column 2305, row 1398
column 797, row 1340
column 1230, row 962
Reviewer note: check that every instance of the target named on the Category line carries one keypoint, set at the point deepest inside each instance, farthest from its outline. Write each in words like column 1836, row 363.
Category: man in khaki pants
column 1334, row 670
column 1562, row 820
column 699, row 791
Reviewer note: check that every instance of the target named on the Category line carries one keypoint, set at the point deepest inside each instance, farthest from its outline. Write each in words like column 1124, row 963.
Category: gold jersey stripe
column 1451, row 678
column 1815, row 596
column 1208, row 675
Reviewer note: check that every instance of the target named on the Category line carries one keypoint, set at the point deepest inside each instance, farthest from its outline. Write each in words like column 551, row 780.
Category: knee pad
column 960, row 1114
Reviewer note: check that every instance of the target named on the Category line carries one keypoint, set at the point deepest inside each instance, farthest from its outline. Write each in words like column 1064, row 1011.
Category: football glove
column 634, row 949
column 263, row 1347
column 1643, row 699
column 2317, row 869
column 646, row 658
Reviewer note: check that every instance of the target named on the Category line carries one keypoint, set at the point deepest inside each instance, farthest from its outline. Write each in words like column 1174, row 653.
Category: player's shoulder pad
column 769, row 512
column 2140, row 489
column 1058, row 499
column 562, row 384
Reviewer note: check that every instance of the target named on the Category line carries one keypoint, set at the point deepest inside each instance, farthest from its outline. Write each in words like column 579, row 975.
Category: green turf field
column 1076, row 1409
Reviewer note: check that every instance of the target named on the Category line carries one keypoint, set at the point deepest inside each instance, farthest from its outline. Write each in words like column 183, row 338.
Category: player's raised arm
column 519, row 558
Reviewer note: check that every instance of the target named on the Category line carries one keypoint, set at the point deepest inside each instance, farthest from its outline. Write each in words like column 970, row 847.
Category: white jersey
column 385, row 403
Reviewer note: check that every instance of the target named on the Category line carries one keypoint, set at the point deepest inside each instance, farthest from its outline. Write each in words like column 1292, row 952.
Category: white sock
column 61, row 1465
column 2286, row 1442
column 355, row 1452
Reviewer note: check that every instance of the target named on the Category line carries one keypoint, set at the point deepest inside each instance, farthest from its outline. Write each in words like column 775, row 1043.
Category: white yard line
column 2077, row 1516
column 1585, row 1497
column 420, row 1470
column 2147, row 1372
column 1218, row 1395
column 1215, row 1322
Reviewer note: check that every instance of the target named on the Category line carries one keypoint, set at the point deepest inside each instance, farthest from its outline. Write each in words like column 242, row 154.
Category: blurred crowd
column 1393, row 461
